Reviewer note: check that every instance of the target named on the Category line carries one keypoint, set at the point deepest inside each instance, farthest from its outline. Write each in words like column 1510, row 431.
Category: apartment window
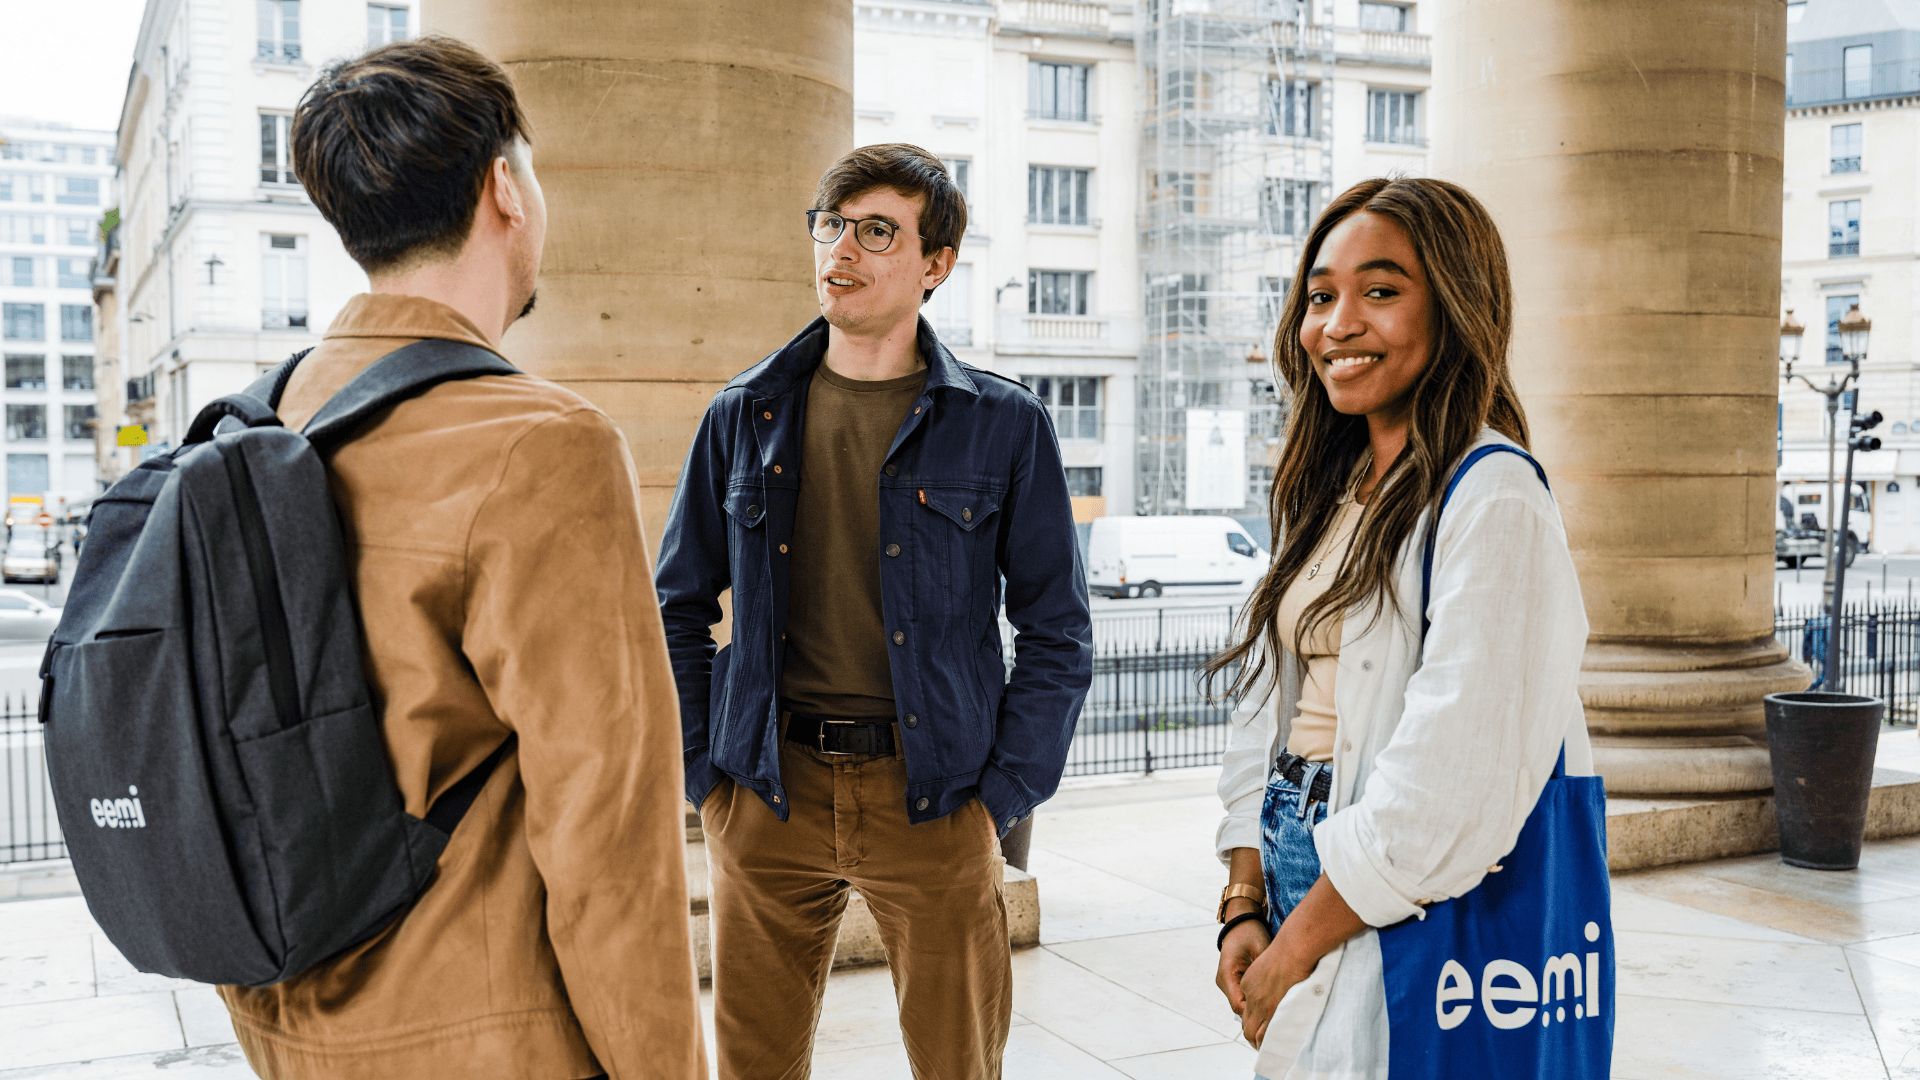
column 26, row 422
column 1186, row 89
column 385, row 24
column 76, row 372
column 76, row 322
column 1393, row 18
column 1177, row 304
column 78, row 230
column 25, row 372
column 276, row 158
column 1843, row 228
column 1845, row 144
column 1187, row 192
column 23, row 229
column 1393, row 116
column 1057, row 196
column 1856, row 62
column 958, row 168
column 6, row 187
column 951, row 309
column 1057, row 91
column 71, row 274
column 27, row 474
column 24, row 322
column 1790, row 70
column 77, row 190
column 1296, row 108
column 23, row 271
column 1287, row 206
column 1058, row 292
column 1836, row 310
column 87, row 155
column 1074, row 402
column 1083, row 482
column 1273, row 298
column 283, row 282
column 279, row 23
column 79, row 421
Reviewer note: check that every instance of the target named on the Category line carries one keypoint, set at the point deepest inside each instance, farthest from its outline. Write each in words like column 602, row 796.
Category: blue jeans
column 1287, row 855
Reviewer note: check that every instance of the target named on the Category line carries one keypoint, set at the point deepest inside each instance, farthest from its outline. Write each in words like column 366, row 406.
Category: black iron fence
column 1879, row 649
column 28, row 828
column 1147, row 708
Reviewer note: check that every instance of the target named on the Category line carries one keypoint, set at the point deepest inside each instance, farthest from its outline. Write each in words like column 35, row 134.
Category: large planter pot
column 1822, row 746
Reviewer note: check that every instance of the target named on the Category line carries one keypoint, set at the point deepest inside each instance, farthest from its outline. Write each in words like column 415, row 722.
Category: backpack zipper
column 281, row 680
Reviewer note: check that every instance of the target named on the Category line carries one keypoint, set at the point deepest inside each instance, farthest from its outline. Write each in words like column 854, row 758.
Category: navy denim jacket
column 972, row 490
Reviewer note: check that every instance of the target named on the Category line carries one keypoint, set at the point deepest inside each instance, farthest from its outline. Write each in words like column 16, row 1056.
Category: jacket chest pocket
column 747, row 537
column 962, row 527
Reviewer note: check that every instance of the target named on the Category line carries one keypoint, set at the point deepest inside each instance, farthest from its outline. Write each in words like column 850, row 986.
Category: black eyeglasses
column 874, row 234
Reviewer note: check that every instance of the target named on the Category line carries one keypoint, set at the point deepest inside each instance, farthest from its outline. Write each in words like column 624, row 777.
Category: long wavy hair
column 1465, row 387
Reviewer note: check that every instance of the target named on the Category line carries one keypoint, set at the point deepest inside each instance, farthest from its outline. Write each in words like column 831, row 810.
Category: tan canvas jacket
column 493, row 530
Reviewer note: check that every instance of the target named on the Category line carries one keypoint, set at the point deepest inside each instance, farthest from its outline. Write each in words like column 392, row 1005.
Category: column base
column 1684, row 719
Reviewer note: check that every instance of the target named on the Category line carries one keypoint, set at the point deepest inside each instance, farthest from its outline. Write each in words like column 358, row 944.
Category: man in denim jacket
column 864, row 494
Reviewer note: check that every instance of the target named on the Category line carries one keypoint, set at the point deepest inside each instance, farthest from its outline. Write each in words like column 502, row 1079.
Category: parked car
column 31, row 556
column 1148, row 556
column 26, row 618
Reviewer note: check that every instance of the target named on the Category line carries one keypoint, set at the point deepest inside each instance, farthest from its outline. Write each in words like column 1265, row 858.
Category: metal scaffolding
column 1237, row 144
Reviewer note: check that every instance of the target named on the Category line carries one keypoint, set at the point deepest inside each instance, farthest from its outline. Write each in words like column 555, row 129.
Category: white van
column 1146, row 556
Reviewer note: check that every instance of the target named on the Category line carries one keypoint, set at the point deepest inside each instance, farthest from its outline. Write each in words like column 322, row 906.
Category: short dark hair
column 394, row 146
column 909, row 170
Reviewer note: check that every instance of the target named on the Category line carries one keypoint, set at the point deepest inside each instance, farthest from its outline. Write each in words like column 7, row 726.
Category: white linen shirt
column 1438, row 757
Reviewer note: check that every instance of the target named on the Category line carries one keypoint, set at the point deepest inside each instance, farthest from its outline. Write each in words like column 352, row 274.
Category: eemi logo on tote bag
column 1514, row 979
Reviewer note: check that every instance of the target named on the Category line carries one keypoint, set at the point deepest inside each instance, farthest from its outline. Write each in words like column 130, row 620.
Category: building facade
column 225, row 266
column 1849, row 237
column 54, row 186
column 1139, row 178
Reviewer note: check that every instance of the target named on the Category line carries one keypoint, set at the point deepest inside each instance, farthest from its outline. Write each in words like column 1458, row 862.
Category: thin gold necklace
column 1353, row 487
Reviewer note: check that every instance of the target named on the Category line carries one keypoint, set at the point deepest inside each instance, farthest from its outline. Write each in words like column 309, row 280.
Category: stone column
column 1630, row 151
column 678, row 143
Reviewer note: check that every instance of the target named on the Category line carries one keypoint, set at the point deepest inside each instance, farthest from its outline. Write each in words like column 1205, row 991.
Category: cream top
column 1313, row 726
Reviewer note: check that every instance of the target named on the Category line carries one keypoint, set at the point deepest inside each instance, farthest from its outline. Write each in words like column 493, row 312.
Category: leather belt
column 839, row 734
column 1294, row 768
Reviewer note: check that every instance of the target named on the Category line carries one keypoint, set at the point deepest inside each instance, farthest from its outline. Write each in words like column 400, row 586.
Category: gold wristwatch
column 1254, row 893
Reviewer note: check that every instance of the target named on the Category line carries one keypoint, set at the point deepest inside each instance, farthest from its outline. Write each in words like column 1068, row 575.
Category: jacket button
column 767, row 415
column 1347, row 746
column 783, row 549
column 1365, row 665
column 776, row 798
column 893, row 549
column 966, row 514
column 776, row 468
column 753, row 511
column 1012, row 821
column 899, row 638
column 911, row 720
column 892, row 470
column 921, row 805
column 916, row 411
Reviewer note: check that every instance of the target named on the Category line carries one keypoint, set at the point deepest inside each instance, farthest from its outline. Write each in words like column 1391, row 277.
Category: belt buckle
column 820, row 738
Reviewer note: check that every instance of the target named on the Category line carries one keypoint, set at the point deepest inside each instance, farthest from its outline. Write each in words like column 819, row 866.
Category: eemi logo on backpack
column 120, row 813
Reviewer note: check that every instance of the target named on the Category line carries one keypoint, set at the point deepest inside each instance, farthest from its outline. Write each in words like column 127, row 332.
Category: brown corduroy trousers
column 780, row 888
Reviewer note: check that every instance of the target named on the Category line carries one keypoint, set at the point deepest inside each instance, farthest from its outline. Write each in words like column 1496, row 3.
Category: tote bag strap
column 1433, row 527
column 1433, row 533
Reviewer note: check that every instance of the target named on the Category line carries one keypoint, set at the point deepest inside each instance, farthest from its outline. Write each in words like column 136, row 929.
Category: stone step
column 859, row 942
column 1648, row 832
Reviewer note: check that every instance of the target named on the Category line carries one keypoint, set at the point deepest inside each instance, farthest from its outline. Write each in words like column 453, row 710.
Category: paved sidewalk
column 1737, row 969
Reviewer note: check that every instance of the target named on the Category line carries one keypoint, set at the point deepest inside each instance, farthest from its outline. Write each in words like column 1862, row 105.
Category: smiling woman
column 1355, row 804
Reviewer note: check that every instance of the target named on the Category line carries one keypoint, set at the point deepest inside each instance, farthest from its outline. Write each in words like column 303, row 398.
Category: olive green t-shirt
column 837, row 663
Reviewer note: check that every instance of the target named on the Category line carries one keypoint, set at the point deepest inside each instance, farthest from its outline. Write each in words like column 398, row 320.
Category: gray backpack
column 219, row 773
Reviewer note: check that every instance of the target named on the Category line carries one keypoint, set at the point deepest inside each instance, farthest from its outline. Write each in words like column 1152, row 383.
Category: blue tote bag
column 1514, row 979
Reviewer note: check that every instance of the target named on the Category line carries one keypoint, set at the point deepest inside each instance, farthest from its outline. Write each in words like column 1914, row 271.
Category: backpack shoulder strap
column 1433, row 527
column 401, row 374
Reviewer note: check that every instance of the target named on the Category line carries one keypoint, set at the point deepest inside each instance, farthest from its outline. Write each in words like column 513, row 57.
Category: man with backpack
column 511, row 644
column 869, row 499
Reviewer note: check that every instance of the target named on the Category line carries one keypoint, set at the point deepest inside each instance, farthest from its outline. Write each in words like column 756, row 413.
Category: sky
column 67, row 60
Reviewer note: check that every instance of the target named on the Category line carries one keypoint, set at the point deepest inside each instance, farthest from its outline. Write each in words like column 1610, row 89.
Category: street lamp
column 1854, row 329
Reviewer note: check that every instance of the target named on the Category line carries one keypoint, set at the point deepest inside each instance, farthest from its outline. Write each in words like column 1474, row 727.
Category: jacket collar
column 797, row 360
